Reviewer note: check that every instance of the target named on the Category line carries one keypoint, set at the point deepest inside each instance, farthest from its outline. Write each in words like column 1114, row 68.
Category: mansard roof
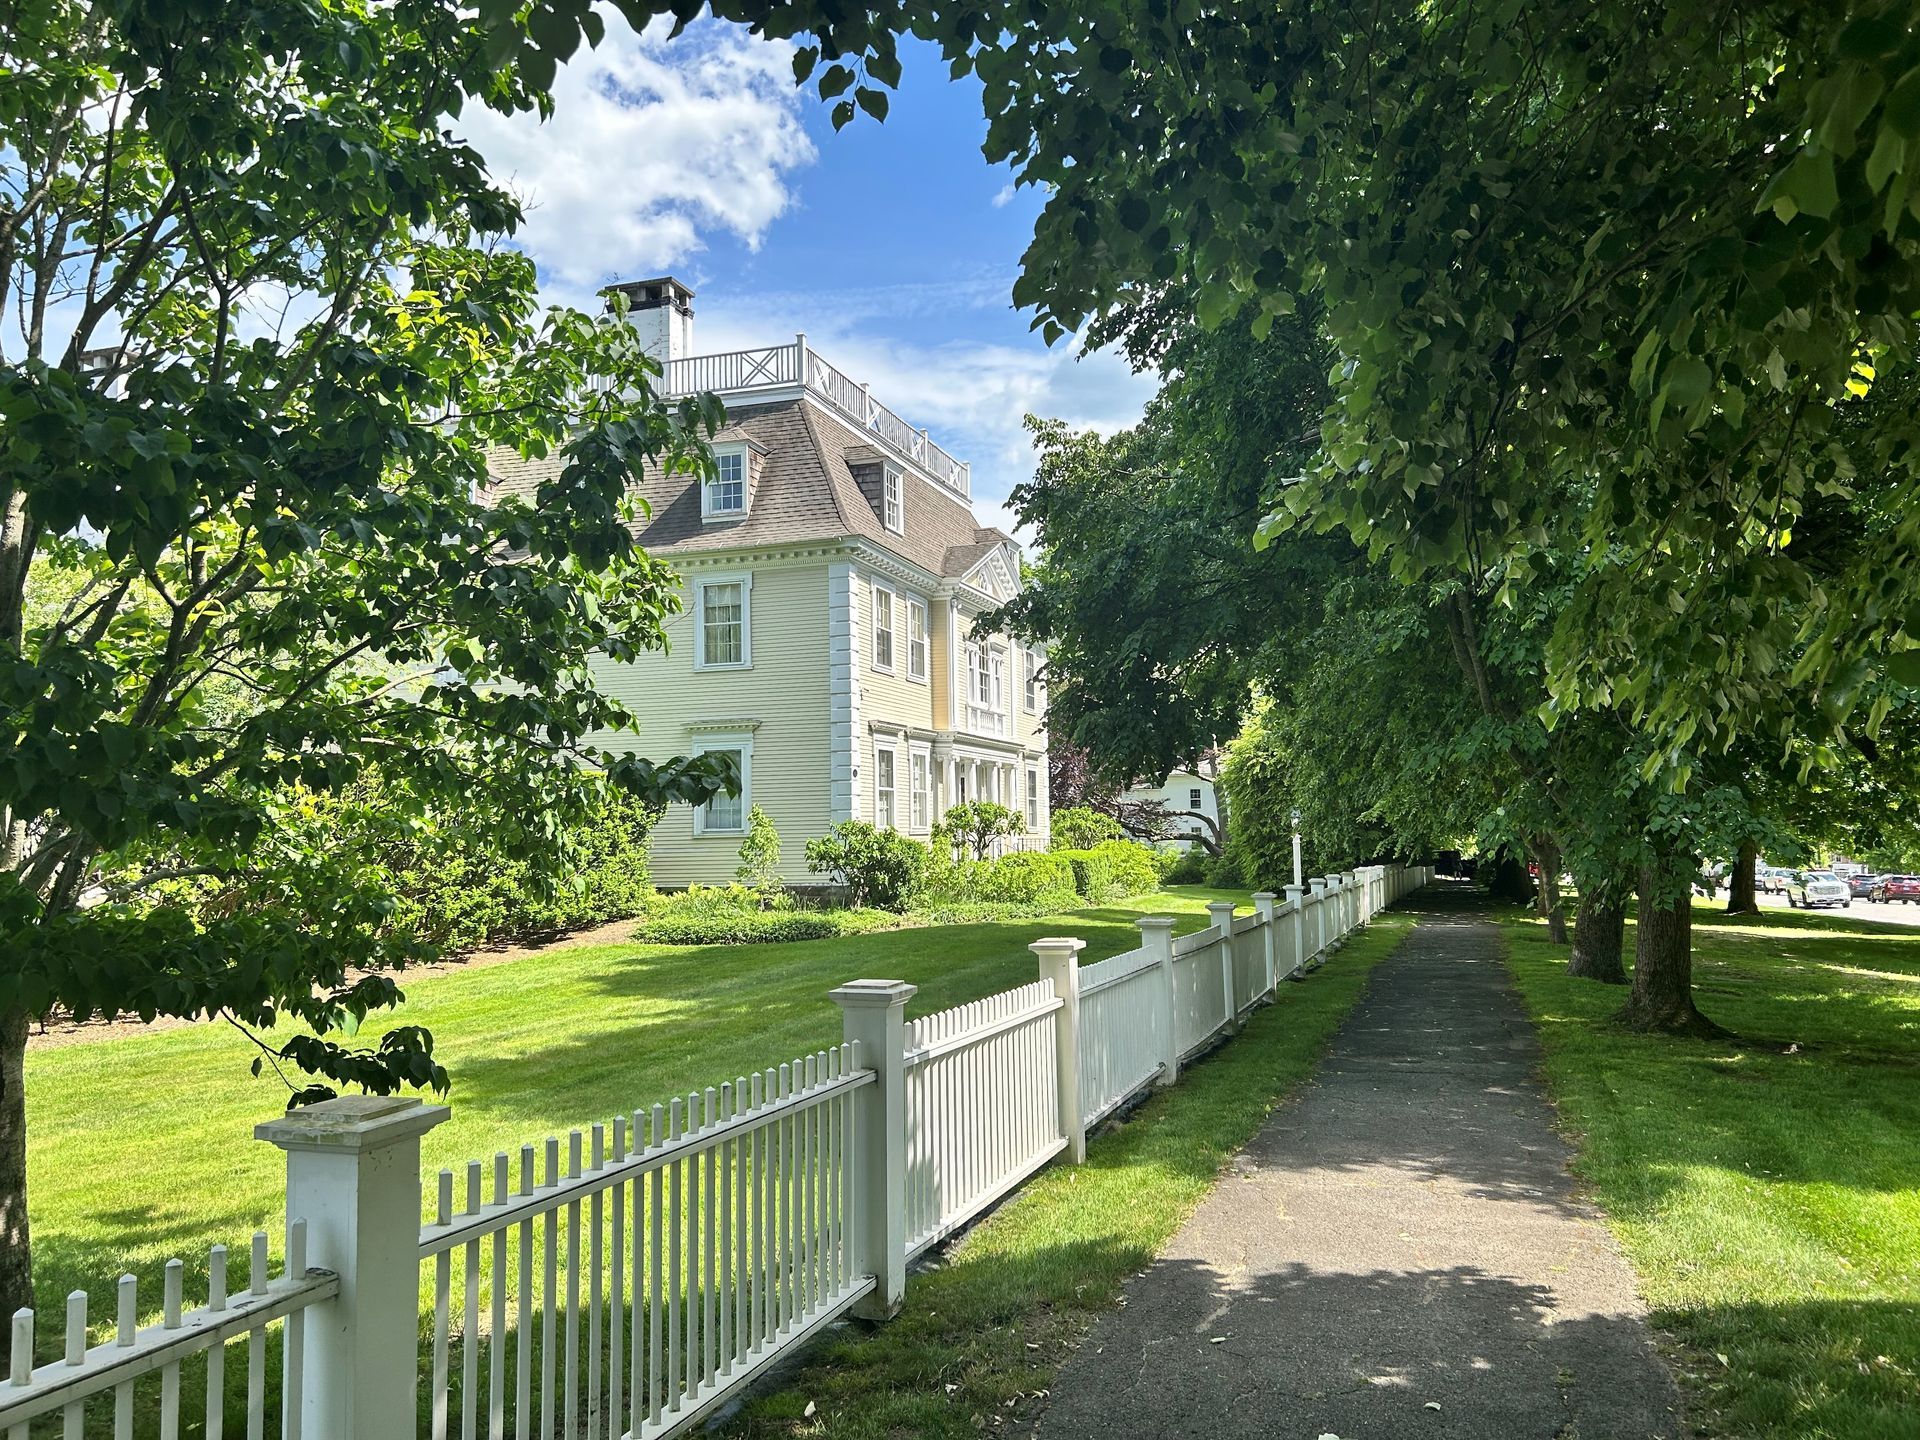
column 804, row 491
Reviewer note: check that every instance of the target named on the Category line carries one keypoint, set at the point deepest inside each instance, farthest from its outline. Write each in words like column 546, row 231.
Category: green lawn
column 1767, row 1188
column 142, row 1148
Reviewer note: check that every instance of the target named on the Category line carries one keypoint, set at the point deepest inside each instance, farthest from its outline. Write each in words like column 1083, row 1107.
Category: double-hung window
column 721, row 612
column 920, row 787
column 885, row 780
column 1032, row 658
column 725, row 493
column 1193, row 799
column 882, row 629
column 1033, row 798
column 916, row 640
column 727, row 814
column 893, row 500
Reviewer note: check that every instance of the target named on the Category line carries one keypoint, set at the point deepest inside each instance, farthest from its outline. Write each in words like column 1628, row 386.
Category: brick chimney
column 661, row 313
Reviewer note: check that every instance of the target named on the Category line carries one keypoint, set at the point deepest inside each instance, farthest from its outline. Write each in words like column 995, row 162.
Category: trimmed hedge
column 1111, row 869
column 733, row 915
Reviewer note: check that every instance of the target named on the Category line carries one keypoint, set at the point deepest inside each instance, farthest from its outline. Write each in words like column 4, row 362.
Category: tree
column 760, row 855
column 247, row 550
column 974, row 825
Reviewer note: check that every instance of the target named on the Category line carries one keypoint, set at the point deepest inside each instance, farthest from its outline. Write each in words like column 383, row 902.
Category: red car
column 1905, row 888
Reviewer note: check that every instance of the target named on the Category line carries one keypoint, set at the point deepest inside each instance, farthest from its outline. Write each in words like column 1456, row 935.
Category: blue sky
column 893, row 246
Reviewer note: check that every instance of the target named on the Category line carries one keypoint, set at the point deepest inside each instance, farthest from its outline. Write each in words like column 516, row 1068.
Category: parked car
column 1771, row 879
column 1862, row 884
column 1814, row 889
column 1904, row 888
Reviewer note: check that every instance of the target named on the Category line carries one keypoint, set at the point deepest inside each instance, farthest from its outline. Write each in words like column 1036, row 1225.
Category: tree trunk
column 16, row 1249
column 1546, row 853
column 1662, row 995
column 1599, row 935
column 1742, row 896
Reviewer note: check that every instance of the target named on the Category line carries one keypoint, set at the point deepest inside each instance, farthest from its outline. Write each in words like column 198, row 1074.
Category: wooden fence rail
column 628, row 1281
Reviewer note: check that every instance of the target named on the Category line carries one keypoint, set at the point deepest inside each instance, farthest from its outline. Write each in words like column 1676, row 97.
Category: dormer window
column 724, row 494
column 893, row 500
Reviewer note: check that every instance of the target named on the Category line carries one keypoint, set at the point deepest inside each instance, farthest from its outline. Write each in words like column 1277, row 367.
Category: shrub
column 1132, row 868
column 976, row 824
column 760, row 854
column 734, row 915
column 1112, row 869
column 878, row 867
column 457, row 891
column 1080, row 827
column 1038, row 879
column 1188, row 868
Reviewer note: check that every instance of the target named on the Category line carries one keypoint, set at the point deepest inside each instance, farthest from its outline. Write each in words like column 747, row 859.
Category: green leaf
column 1901, row 113
column 1904, row 666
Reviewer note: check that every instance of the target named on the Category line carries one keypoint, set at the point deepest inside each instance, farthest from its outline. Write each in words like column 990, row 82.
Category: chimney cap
column 654, row 293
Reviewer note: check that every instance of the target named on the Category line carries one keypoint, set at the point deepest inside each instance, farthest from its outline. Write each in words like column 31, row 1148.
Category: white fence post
column 353, row 1174
column 1265, row 902
column 1222, row 913
column 1319, row 884
column 873, row 1017
column 1156, row 937
column 1060, row 962
column 1297, row 907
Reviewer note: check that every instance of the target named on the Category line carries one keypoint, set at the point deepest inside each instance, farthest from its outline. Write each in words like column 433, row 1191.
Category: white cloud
column 1003, row 196
column 972, row 395
column 651, row 144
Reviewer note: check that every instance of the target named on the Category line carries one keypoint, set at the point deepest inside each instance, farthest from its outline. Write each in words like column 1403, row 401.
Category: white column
column 1222, row 913
column 1060, row 962
column 353, row 1174
column 1156, row 937
column 1264, row 902
column 873, row 1017
column 1319, row 884
column 1296, row 907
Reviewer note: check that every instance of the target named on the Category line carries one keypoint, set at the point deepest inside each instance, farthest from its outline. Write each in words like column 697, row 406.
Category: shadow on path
column 1402, row 1237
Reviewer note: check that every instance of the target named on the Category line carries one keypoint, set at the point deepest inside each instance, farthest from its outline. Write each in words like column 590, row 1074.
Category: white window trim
column 707, row 512
column 893, row 627
column 1030, row 681
column 893, row 486
column 744, row 579
column 924, row 755
column 1031, row 800
column 926, row 641
column 744, row 744
column 891, row 749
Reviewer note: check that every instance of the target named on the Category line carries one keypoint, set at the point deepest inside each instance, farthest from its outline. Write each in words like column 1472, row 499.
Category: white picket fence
column 661, row 1262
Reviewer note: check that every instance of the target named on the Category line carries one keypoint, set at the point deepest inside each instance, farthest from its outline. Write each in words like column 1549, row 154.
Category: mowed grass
column 1766, row 1187
column 141, row 1148
column 983, row 1331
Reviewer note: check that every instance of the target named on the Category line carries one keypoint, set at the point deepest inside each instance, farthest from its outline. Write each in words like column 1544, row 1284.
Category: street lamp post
column 1296, row 847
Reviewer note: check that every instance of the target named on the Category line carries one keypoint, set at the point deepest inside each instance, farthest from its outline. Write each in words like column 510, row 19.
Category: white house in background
column 832, row 572
column 1192, row 802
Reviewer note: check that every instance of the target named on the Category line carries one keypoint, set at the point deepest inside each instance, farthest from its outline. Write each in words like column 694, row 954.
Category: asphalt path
column 1400, row 1251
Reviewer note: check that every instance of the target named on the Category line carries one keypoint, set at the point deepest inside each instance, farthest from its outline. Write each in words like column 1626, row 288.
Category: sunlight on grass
column 142, row 1147
column 1767, row 1188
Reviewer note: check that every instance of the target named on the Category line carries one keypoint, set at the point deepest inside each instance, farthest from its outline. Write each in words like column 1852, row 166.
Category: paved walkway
column 1397, row 1253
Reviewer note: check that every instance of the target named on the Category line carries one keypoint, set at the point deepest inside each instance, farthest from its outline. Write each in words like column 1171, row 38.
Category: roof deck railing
column 781, row 367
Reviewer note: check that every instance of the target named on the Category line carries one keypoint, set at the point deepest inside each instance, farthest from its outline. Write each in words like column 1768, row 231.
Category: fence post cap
column 352, row 1122
column 1157, row 922
column 1071, row 944
column 1265, row 895
column 872, row 994
column 1319, row 884
column 1294, row 892
column 1214, row 907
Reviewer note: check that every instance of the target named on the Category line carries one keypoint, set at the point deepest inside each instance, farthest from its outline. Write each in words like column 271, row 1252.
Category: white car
column 1815, row 888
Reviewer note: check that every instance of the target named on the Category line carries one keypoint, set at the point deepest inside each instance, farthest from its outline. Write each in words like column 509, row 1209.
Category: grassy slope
column 142, row 1148
column 1768, row 1196
column 988, row 1327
